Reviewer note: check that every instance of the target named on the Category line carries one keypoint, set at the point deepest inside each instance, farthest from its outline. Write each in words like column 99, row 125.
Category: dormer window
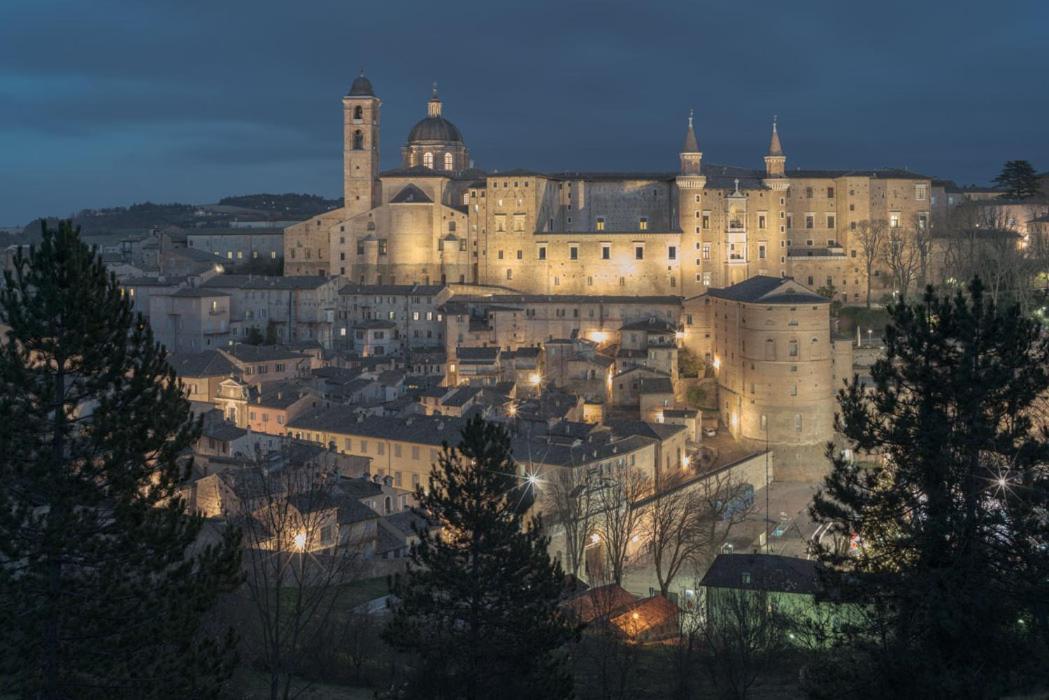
column 599, row 225
column 643, row 224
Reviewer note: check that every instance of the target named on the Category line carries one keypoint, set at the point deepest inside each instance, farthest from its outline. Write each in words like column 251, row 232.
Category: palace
column 437, row 219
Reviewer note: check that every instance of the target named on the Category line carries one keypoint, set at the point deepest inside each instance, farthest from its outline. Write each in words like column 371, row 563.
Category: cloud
column 179, row 99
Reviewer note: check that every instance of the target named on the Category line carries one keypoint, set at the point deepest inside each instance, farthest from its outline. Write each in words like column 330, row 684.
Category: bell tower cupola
column 360, row 118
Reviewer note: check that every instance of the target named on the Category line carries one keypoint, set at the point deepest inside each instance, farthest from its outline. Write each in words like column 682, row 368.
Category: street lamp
column 300, row 541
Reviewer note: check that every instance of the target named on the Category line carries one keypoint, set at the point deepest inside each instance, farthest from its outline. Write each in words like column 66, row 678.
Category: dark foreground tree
column 942, row 516
column 103, row 579
column 479, row 609
column 1019, row 179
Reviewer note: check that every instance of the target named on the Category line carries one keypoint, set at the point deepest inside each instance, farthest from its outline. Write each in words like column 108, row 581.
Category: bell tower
column 360, row 113
column 690, row 189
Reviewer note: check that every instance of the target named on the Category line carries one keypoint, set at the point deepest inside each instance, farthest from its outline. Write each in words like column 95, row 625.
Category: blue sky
column 107, row 103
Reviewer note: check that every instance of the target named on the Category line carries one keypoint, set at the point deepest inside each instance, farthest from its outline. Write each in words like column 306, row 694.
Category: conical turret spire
column 775, row 148
column 691, row 144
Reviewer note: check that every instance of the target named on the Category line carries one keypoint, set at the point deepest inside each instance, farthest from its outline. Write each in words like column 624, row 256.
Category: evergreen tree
column 103, row 582
column 1019, row 179
column 479, row 608
column 254, row 336
column 945, row 504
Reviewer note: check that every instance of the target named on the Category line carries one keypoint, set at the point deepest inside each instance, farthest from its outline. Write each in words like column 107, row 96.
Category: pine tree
column 103, row 582
column 946, row 501
column 479, row 607
column 1019, row 179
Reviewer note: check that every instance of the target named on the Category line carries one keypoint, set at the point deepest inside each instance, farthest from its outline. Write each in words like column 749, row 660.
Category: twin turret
column 692, row 157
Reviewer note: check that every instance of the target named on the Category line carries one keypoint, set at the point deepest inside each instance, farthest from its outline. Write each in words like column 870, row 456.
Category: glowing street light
column 300, row 541
column 536, row 379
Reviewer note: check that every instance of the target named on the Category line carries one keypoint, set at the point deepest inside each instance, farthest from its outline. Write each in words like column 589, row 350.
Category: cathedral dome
column 434, row 128
column 361, row 87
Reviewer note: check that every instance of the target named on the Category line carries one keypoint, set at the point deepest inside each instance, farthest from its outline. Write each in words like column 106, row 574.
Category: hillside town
column 664, row 351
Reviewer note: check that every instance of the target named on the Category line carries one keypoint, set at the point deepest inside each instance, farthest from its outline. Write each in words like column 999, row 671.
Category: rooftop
column 769, row 290
column 763, row 572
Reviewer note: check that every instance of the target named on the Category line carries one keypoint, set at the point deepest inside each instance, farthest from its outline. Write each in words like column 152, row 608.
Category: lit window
column 428, row 159
column 643, row 224
column 447, row 161
column 921, row 192
column 599, row 225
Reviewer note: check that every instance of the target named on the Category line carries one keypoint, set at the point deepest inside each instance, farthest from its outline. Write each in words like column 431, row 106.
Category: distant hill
column 289, row 206
column 140, row 218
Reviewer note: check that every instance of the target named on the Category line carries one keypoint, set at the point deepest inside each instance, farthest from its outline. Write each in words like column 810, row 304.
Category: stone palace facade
column 437, row 219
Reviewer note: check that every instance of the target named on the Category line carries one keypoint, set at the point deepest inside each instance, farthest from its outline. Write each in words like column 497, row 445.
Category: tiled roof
column 261, row 353
column 469, row 355
column 209, row 363
column 392, row 289
column 197, row 293
column 426, row 430
column 769, row 290
column 266, row 282
column 763, row 572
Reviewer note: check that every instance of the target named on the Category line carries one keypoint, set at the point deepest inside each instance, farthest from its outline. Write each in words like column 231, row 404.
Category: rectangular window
column 541, row 252
column 599, row 225
column 921, row 192
column 519, row 223
column 810, row 221
column 643, row 224
column 706, row 251
column 790, row 221
column 606, row 251
column 639, row 251
column 761, row 251
column 894, row 219
column 706, row 219
column 500, row 222
column 573, row 252
column 830, row 193
column 830, row 221
column 706, row 279
column 762, row 221
column 672, row 252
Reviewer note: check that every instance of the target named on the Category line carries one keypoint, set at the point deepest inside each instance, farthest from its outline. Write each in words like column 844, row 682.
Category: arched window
column 358, row 112
column 428, row 159
column 447, row 161
column 358, row 140
column 371, row 225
